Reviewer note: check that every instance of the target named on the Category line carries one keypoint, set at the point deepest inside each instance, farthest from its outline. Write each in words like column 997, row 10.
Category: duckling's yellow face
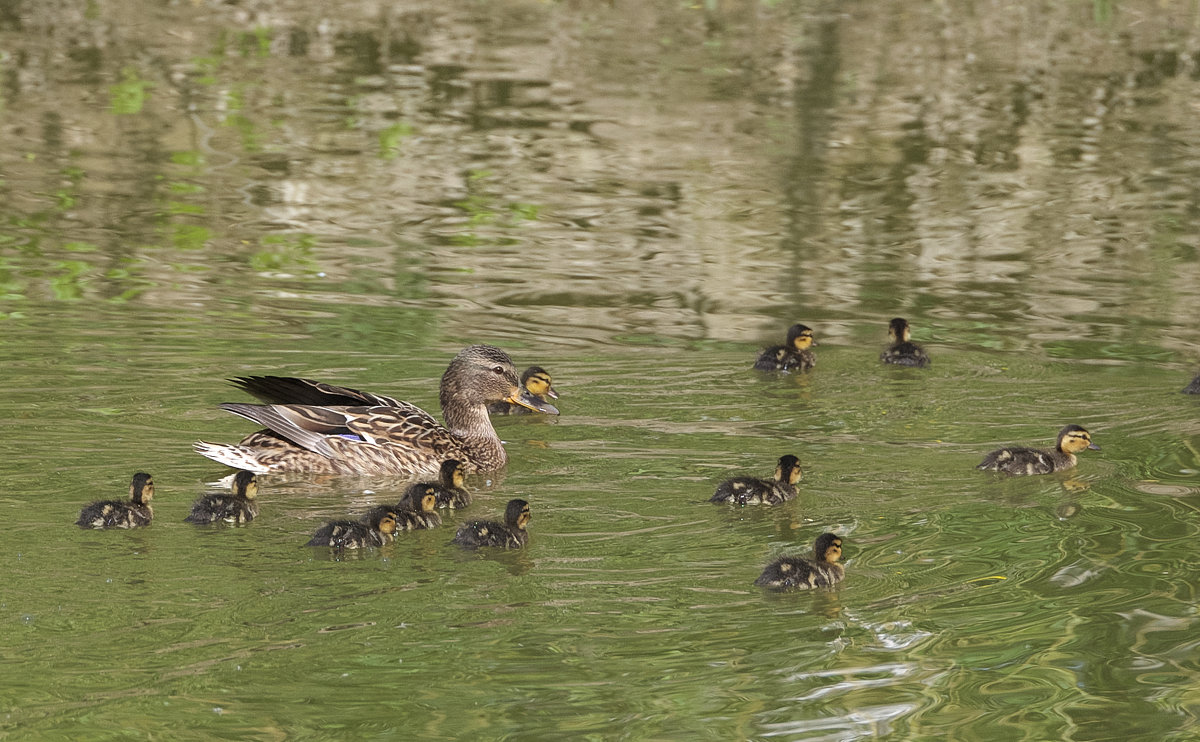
column 793, row 475
column 804, row 340
column 458, row 479
column 523, row 518
column 1074, row 441
column 539, row 384
column 387, row 524
column 788, row 469
column 834, row 552
column 428, row 502
column 899, row 332
column 246, row 485
column 142, row 491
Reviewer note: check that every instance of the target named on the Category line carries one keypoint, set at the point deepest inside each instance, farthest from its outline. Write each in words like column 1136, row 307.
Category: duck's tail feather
column 239, row 457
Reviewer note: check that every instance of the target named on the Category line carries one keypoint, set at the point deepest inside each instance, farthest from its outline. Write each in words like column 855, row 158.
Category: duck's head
column 898, row 330
column 788, row 470
column 245, row 484
column 516, row 514
column 141, row 489
column 1073, row 439
column 828, row 548
column 427, row 502
column 537, row 382
column 482, row 374
column 800, row 337
column 382, row 519
column 451, row 474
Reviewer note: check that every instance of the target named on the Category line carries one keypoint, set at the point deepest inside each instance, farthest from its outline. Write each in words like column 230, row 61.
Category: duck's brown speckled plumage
column 793, row 355
column 132, row 513
column 754, row 491
column 804, row 573
column 903, row 352
column 510, row 534
column 1019, row 460
column 239, row 506
column 323, row 429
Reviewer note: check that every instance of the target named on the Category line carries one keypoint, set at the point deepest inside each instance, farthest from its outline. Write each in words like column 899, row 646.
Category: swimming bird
column 537, row 382
column 902, row 351
column 131, row 513
column 450, row 489
column 754, row 491
column 318, row 428
column 510, row 534
column 417, row 510
column 803, row 573
column 377, row 527
column 1019, row 460
column 795, row 354
column 240, row 506
column 1194, row 387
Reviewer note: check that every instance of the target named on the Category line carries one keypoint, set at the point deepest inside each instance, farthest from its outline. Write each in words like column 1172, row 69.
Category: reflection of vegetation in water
column 285, row 252
column 483, row 210
column 129, row 95
column 241, row 123
column 391, row 138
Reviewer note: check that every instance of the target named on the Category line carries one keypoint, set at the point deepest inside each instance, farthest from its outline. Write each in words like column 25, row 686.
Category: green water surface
column 637, row 196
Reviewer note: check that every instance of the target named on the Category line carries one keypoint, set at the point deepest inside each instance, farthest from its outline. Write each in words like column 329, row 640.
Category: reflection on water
column 637, row 196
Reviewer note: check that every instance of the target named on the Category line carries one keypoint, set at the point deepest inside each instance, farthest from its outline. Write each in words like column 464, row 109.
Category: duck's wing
column 294, row 391
column 329, row 430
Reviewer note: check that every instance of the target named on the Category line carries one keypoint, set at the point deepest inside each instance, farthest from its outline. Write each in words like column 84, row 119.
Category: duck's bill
column 552, row 394
column 525, row 399
column 1093, row 446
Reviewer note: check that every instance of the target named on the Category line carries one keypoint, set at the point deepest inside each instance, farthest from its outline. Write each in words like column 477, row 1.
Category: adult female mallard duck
column 537, row 382
column 1194, row 387
column 792, row 355
column 510, row 534
column 1019, row 460
column 417, row 510
column 754, row 491
column 237, row 507
column 324, row 429
column 804, row 573
column 377, row 527
column 450, row 489
column 131, row 513
column 902, row 351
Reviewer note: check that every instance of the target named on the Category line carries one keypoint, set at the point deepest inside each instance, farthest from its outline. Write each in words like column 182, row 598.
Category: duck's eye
column 498, row 370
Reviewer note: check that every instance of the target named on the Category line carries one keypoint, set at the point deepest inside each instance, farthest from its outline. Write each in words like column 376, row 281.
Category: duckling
column 902, row 352
column 449, row 489
column 1194, row 387
column 134, row 513
column 753, row 491
column 803, row 573
column 237, row 507
column 1020, row 460
column 377, row 527
column 510, row 534
column 537, row 382
column 417, row 510
column 792, row 355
